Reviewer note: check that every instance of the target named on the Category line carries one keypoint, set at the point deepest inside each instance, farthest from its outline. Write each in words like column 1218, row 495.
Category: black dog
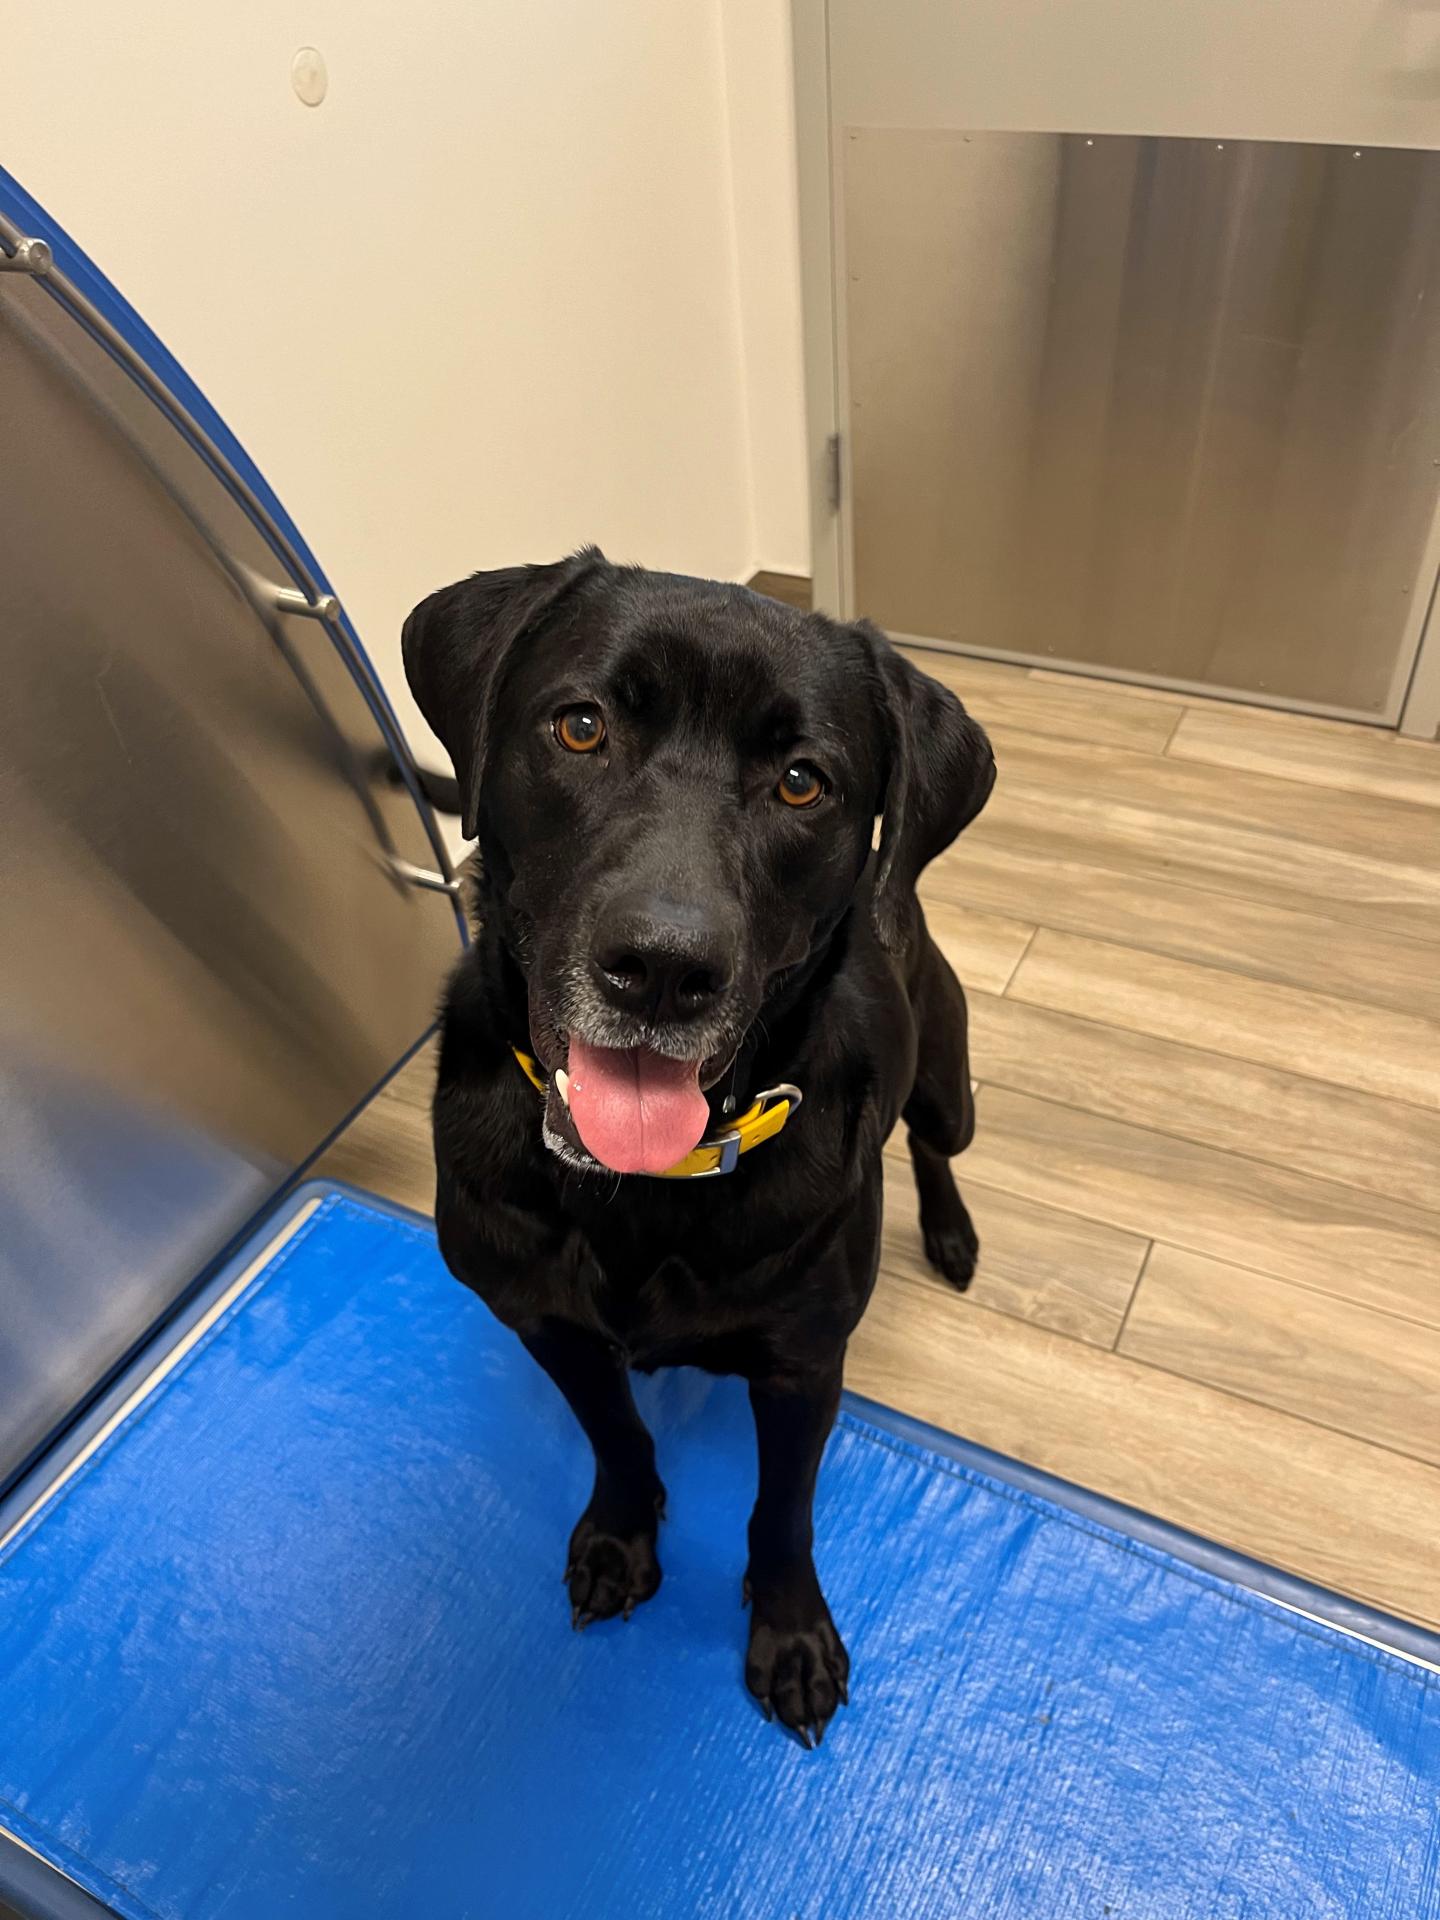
column 674, row 784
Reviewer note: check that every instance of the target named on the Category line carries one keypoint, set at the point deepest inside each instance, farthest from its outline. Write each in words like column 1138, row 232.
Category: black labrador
column 682, row 933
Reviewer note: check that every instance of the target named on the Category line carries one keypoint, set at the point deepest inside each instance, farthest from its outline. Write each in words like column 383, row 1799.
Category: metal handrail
column 34, row 256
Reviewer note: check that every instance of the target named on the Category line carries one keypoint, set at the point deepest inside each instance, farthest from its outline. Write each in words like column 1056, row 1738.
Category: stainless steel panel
column 206, row 956
column 1158, row 406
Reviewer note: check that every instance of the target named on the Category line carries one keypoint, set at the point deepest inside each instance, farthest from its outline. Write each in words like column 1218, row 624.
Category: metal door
column 1154, row 393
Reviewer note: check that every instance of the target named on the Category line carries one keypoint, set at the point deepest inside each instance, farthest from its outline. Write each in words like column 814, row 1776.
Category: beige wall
column 500, row 294
column 758, row 86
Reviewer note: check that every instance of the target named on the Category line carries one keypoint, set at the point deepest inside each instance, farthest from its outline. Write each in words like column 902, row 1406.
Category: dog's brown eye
column 801, row 785
column 580, row 729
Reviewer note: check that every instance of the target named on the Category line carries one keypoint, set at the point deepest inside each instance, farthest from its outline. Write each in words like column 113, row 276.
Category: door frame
column 810, row 29
column 1420, row 715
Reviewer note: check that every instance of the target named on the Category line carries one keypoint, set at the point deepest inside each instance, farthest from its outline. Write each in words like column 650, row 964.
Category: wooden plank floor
column 1202, row 945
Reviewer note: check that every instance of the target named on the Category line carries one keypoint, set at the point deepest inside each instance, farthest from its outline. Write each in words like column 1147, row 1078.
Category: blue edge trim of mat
column 31, row 1888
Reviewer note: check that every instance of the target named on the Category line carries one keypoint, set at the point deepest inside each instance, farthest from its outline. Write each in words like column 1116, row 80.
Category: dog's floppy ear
column 939, row 774
column 455, row 645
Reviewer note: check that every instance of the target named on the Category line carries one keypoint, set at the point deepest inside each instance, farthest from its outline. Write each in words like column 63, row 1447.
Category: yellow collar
column 717, row 1152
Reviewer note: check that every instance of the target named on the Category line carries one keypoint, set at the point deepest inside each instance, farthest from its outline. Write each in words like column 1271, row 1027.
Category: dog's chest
column 665, row 1309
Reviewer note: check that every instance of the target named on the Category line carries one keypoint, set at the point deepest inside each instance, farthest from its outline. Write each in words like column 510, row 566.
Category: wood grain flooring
column 1318, row 1233
column 1291, row 1121
column 1202, row 944
column 1006, row 872
column 1309, row 1355
column 1322, row 753
column 1059, row 1270
column 1258, row 860
column 1341, row 1042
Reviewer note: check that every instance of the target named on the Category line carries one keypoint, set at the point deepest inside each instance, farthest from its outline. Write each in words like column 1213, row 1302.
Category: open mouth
column 629, row 1108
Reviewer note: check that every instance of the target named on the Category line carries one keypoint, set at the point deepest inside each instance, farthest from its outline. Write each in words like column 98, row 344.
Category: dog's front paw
column 796, row 1666
column 612, row 1565
column 953, row 1251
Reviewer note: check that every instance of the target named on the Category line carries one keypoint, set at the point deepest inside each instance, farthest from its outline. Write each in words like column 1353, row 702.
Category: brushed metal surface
column 206, row 958
column 1167, row 407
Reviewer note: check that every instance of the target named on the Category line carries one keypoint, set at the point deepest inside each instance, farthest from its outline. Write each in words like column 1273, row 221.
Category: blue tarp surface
column 294, row 1643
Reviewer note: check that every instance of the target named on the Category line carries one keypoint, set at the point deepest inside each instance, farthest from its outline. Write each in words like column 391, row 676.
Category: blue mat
column 294, row 1643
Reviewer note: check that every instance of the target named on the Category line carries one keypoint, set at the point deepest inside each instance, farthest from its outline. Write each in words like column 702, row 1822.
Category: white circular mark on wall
column 308, row 76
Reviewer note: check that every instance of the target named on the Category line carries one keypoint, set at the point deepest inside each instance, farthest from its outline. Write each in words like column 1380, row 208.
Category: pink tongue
column 636, row 1111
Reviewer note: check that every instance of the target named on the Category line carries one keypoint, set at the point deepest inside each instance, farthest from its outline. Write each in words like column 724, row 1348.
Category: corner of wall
column 760, row 130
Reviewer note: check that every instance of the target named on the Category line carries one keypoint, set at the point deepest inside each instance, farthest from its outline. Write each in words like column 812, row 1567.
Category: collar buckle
column 730, row 1143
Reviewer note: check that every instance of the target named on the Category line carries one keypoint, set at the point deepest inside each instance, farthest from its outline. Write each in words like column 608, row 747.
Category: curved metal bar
column 28, row 253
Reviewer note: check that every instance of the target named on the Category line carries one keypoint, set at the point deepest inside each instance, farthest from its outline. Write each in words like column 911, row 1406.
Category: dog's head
column 674, row 784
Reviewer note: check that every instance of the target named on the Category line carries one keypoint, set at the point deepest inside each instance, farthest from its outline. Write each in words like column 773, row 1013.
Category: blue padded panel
column 294, row 1643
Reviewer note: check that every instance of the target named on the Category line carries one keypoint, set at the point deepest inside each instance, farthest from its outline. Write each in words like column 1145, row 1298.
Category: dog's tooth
column 562, row 1082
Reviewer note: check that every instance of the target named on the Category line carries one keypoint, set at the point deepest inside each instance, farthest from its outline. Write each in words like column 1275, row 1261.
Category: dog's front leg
column 612, row 1564
column 797, row 1666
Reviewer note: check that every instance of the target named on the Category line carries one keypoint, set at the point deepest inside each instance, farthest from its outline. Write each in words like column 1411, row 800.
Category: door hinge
column 833, row 472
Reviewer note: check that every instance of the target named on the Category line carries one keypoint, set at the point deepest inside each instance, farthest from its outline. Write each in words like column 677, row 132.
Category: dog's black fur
column 815, row 967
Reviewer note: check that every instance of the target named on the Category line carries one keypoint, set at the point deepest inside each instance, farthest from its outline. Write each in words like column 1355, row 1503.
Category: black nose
column 661, row 959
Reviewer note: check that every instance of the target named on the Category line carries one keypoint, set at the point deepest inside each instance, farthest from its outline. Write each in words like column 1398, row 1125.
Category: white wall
column 498, row 295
